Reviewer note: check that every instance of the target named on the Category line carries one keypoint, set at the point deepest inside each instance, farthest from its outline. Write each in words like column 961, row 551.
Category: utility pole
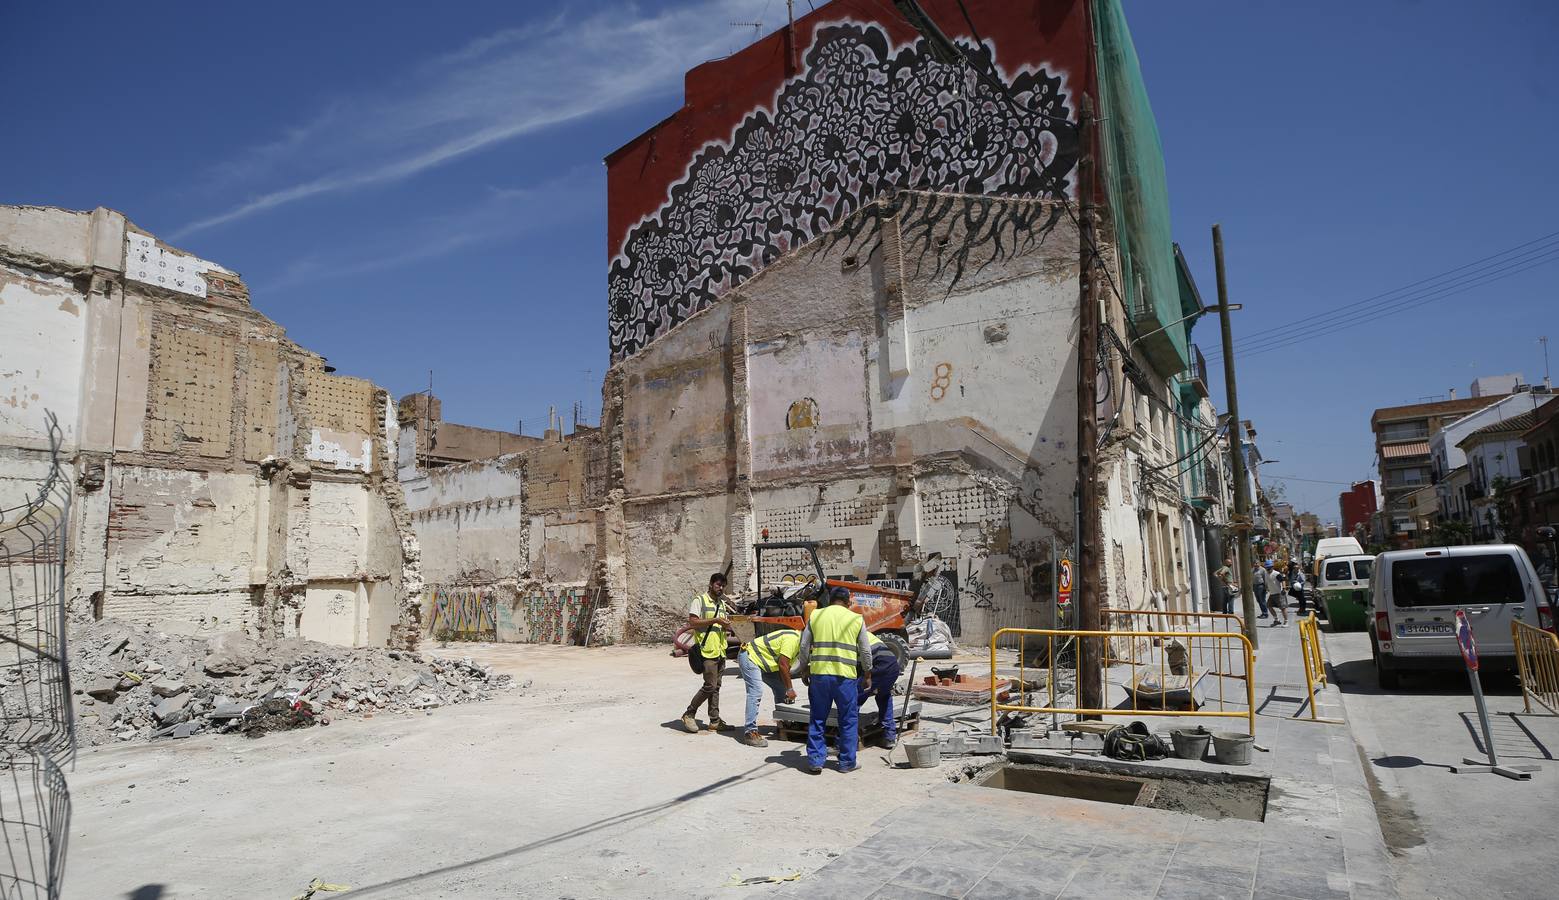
column 1090, row 676
column 1241, row 521
column 1544, row 341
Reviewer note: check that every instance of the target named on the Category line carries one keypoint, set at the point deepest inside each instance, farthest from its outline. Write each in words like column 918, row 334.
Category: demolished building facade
column 224, row 478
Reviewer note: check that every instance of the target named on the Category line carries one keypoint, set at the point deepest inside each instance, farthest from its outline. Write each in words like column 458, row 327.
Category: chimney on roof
column 1453, row 393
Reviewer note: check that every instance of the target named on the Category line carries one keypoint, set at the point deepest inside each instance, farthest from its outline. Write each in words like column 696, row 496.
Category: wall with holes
column 900, row 388
column 184, row 549
column 216, row 464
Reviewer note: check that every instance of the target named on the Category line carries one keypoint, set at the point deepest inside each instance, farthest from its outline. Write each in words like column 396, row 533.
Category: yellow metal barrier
column 1239, row 648
column 1183, row 623
column 1537, row 660
column 1315, row 664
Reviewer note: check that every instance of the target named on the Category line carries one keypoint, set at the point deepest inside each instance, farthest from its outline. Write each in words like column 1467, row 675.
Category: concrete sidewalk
column 1320, row 837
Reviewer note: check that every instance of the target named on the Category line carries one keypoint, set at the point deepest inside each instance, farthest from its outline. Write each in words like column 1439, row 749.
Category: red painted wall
column 1358, row 505
column 665, row 201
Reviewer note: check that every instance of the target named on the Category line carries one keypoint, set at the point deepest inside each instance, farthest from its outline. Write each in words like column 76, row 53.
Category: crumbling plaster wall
column 517, row 533
column 902, row 386
column 195, row 429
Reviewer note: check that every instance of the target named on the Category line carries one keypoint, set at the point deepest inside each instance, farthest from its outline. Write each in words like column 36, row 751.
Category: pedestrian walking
column 767, row 661
column 834, row 653
column 1296, row 587
column 884, row 675
column 1277, row 603
column 1259, row 581
column 708, row 615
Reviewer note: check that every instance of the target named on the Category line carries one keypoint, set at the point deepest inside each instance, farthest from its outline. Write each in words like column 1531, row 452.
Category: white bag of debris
column 929, row 634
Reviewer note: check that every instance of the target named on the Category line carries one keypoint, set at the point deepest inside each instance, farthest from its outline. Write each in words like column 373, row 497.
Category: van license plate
column 1424, row 628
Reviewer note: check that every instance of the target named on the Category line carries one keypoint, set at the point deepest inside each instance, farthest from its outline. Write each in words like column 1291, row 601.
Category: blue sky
column 420, row 186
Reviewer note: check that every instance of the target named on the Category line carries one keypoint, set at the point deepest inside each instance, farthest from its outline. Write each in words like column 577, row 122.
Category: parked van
column 1416, row 593
column 1333, row 547
column 1342, row 590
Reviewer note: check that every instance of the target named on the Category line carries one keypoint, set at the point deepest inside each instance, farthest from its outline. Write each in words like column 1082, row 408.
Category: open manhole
column 1214, row 796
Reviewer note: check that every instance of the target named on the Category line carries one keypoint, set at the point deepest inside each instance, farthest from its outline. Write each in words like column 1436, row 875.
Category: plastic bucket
column 1231, row 748
column 923, row 750
column 1190, row 743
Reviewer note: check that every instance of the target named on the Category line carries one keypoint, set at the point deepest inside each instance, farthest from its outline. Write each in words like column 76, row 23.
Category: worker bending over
column 767, row 661
column 834, row 653
column 884, row 674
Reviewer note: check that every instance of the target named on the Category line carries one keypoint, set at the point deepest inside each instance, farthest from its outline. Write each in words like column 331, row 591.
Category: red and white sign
column 1064, row 583
column 1464, row 640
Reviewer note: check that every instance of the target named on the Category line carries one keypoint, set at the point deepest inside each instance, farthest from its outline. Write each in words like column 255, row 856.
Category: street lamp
column 1206, row 309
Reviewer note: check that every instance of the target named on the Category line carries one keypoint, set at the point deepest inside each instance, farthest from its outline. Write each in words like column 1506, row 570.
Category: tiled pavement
column 1320, row 838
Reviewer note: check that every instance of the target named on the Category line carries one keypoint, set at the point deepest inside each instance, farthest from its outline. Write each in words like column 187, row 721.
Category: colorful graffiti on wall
column 463, row 613
column 547, row 615
column 865, row 116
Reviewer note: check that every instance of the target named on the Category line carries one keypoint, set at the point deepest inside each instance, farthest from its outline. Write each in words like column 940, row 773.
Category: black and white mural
column 863, row 118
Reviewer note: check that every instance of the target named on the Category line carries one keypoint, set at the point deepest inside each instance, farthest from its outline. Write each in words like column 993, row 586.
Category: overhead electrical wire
column 1481, row 273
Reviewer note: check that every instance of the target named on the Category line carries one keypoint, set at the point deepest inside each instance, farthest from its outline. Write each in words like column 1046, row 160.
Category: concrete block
column 104, row 689
column 171, row 709
column 167, row 687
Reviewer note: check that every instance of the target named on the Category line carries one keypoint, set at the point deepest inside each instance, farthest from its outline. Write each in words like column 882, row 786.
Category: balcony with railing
column 1199, row 371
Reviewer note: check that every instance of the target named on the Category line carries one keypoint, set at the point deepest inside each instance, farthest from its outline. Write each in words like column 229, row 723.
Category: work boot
column 754, row 739
column 718, row 725
column 814, row 770
column 690, row 723
column 845, row 771
column 889, row 742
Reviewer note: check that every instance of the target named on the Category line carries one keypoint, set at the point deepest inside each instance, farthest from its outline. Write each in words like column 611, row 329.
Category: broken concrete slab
column 168, row 687
column 104, row 689
column 171, row 709
column 230, row 653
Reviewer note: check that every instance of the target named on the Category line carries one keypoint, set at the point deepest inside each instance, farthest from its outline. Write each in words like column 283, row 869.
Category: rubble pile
column 131, row 682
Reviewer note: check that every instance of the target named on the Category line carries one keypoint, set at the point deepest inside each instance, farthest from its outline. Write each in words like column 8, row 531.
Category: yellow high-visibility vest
column 713, row 644
column 836, row 633
column 766, row 650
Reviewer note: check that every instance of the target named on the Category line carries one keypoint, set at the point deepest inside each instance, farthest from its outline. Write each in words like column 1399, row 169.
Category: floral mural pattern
column 862, row 119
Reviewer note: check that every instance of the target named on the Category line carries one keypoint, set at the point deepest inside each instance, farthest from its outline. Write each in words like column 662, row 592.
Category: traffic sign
column 1464, row 640
column 1064, row 582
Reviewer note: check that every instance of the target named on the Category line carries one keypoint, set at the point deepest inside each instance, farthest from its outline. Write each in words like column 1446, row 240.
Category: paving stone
column 900, row 892
column 1312, row 884
column 1118, row 877
column 965, row 853
column 946, row 881
column 1174, row 887
column 1187, row 866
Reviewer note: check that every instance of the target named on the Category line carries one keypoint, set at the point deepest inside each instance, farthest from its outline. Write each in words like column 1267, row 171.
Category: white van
column 1333, row 546
column 1415, row 595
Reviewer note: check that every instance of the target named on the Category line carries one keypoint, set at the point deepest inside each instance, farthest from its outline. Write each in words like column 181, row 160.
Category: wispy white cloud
column 494, row 89
column 504, row 213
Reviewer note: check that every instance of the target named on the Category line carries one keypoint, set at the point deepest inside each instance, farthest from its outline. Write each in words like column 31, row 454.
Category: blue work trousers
column 825, row 692
column 885, row 672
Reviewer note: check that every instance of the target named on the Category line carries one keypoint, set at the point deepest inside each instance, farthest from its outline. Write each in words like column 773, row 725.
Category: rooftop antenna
column 1546, row 382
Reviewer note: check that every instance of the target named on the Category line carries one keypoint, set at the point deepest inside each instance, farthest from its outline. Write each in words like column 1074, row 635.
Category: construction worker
column 708, row 615
column 767, row 661
column 884, row 674
column 834, row 653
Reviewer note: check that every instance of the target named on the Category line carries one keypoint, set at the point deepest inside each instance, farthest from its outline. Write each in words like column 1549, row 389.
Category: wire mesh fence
column 37, row 734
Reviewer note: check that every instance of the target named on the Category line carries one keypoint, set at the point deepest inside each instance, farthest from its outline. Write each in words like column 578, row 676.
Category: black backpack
column 1134, row 742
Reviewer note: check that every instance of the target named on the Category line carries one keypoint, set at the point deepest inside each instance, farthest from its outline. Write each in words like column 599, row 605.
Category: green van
column 1343, row 587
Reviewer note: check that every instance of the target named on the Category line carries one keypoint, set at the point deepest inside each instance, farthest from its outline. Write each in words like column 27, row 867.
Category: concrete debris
column 141, row 684
column 168, row 687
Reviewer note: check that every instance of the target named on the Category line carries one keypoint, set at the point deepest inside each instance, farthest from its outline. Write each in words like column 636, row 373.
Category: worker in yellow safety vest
column 707, row 617
column 767, row 661
column 834, row 653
